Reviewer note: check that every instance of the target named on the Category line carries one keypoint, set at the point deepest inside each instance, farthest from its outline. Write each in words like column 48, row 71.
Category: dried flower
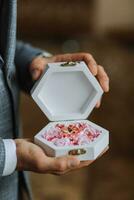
column 72, row 134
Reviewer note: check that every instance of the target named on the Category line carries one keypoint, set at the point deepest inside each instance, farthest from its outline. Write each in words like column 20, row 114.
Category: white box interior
column 67, row 93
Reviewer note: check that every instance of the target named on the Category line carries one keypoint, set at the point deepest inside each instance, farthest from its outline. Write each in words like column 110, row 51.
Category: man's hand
column 31, row 157
column 38, row 64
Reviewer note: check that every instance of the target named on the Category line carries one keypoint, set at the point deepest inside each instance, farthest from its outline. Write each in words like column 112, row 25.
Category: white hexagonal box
column 68, row 91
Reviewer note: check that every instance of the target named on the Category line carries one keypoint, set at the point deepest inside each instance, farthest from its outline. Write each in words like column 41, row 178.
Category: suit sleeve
column 23, row 57
column 2, row 157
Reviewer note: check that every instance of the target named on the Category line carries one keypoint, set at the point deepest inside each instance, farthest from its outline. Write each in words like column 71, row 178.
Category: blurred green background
column 104, row 28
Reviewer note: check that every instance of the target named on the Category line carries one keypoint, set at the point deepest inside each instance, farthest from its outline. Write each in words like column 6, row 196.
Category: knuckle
column 61, row 166
column 90, row 56
column 87, row 55
column 105, row 77
column 102, row 68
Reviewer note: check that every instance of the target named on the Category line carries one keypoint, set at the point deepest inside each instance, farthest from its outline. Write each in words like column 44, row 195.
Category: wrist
column 19, row 154
column 24, row 154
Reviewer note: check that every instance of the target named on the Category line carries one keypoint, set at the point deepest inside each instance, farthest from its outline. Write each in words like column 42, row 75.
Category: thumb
column 35, row 74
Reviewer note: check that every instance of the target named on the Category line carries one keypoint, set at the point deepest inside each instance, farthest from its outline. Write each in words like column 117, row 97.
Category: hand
column 31, row 157
column 38, row 64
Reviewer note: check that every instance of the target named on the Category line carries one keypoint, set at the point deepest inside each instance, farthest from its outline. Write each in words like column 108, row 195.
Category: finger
column 60, row 167
column 61, row 164
column 92, row 65
column 98, row 104
column 85, row 163
column 103, row 78
column 58, row 173
column 89, row 162
column 90, row 61
column 88, row 58
column 36, row 73
column 38, row 63
column 81, row 165
column 37, row 67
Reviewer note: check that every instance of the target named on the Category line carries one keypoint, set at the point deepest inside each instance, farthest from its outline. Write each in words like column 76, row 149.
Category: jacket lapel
column 8, row 46
column 8, row 32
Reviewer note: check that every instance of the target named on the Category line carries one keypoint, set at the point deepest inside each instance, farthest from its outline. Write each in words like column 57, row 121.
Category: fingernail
column 35, row 74
column 98, row 105
column 106, row 86
column 73, row 163
column 95, row 69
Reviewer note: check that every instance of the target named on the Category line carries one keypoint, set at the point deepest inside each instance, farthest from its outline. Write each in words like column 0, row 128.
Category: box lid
column 67, row 91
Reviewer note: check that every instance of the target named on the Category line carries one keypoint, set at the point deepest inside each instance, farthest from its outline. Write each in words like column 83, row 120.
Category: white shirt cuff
column 10, row 157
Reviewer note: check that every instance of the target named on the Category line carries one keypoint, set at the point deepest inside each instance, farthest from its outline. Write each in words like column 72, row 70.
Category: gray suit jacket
column 14, row 60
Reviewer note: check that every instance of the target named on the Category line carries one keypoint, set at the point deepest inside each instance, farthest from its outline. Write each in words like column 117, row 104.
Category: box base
column 82, row 152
